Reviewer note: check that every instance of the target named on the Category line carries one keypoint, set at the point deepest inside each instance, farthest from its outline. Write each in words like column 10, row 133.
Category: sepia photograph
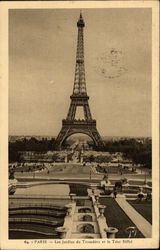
column 81, row 148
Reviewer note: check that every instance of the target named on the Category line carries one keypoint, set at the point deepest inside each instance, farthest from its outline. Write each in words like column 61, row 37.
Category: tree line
column 32, row 144
column 140, row 152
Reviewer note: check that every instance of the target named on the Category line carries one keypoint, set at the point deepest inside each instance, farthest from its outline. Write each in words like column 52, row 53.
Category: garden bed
column 116, row 217
column 143, row 207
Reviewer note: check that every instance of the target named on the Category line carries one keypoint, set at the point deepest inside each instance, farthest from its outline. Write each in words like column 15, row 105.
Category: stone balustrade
column 101, row 220
column 66, row 230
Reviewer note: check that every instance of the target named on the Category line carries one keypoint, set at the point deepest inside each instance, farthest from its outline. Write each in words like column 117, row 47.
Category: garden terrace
column 116, row 217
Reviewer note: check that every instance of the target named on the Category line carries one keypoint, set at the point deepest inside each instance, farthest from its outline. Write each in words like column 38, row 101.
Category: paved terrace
column 71, row 171
column 61, row 171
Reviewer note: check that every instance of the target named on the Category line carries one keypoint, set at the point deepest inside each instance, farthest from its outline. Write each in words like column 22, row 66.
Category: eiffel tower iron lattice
column 78, row 98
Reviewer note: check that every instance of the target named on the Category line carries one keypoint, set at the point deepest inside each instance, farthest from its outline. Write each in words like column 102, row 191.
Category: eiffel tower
column 79, row 98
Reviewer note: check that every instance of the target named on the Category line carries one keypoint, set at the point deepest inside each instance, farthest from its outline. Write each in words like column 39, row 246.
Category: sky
column 42, row 55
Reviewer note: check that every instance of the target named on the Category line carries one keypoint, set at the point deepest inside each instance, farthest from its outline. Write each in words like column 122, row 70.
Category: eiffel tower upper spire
column 79, row 80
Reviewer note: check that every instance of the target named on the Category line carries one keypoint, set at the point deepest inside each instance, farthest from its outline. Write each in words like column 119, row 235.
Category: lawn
column 78, row 189
column 115, row 217
column 144, row 208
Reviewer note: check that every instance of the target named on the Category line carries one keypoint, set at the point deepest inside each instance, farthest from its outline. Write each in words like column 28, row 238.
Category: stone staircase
column 85, row 219
column 85, row 222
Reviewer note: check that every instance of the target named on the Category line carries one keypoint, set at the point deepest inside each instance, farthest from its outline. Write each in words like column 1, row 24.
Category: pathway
column 141, row 223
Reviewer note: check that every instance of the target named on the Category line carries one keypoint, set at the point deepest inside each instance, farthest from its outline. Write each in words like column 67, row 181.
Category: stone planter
column 131, row 231
column 72, row 196
column 111, row 232
column 62, row 231
column 97, row 199
column 92, row 191
column 69, row 209
column 101, row 210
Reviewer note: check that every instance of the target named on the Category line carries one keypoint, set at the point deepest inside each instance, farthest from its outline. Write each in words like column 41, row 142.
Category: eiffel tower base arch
column 77, row 126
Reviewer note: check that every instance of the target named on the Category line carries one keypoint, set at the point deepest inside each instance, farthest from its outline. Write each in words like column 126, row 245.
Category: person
column 118, row 185
column 140, row 196
column 103, row 182
column 106, row 176
column 115, row 194
column 149, row 196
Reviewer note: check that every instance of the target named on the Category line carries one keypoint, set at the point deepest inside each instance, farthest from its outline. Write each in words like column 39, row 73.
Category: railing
column 125, row 187
column 101, row 220
column 79, row 122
